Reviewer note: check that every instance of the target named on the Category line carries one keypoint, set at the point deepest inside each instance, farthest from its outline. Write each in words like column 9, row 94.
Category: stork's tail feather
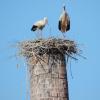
column 68, row 27
column 34, row 28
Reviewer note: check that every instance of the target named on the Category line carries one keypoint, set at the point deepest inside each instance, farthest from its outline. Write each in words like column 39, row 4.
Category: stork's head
column 64, row 7
column 46, row 20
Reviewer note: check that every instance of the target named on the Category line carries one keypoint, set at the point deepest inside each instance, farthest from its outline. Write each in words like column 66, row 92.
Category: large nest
column 43, row 47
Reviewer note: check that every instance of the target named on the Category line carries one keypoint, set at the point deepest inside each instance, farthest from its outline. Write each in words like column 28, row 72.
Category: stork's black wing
column 59, row 25
column 34, row 27
column 68, row 23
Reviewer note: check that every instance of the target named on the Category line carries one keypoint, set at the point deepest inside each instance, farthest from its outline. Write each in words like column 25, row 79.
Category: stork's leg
column 41, row 34
column 64, row 35
column 37, row 34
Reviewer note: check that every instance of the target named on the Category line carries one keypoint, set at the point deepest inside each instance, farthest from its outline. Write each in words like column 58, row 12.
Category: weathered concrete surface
column 49, row 80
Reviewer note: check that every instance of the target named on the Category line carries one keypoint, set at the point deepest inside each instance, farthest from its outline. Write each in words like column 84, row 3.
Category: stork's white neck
column 45, row 20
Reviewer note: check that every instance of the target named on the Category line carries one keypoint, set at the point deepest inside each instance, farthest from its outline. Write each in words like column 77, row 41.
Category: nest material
column 42, row 47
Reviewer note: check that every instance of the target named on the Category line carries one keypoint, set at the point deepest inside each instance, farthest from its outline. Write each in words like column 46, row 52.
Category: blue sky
column 16, row 19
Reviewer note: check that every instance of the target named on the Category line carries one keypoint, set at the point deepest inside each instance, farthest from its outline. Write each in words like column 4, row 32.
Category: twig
column 71, row 56
column 81, row 56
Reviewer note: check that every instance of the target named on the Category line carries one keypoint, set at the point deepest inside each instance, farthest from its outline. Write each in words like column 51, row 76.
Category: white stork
column 64, row 21
column 39, row 25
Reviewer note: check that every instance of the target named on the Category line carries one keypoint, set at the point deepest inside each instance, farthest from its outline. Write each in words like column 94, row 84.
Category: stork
column 39, row 25
column 64, row 21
